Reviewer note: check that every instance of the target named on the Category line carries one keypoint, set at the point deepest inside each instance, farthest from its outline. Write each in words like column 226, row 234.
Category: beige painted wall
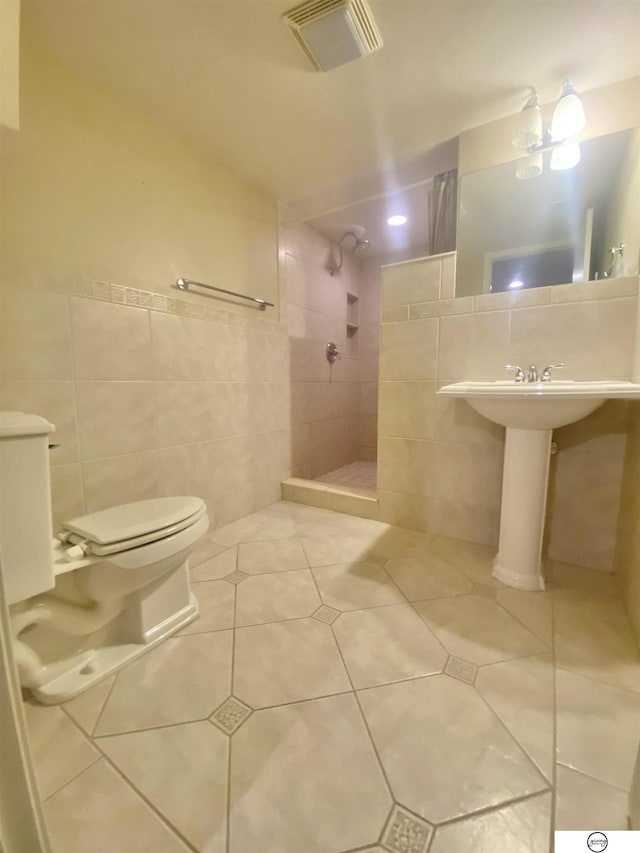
column 92, row 188
column 333, row 406
column 440, row 464
column 152, row 392
column 10, row 64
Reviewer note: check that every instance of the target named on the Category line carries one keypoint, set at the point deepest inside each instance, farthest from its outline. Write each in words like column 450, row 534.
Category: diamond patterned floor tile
column 216, row 567
column 472, row 559
column 597, row 648
column 275, row 597
column 236, row 577
column 255, row 528
column 478, row 629
column 280, row 555
column 305, row 775
column 521, row 693
column 445, row 753
column 519, row 828
column 86, row 707
column 230, row 715
column 299, row 776
column 203, row 550
column 59, row 750
column 406, row 833
column 533, row 609
column 598, row 727
column 432, row 576
column 583, row 802
column 461, row 669
column 215, row 602
column 386, row 644
column 287, row 662
column 352, row 586
column 182, row 679
column 182, row 770
column 98, row 811
column 326, row 614
column 328, row 549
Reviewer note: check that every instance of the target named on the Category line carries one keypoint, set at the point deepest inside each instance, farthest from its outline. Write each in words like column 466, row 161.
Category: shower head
column 359, row 243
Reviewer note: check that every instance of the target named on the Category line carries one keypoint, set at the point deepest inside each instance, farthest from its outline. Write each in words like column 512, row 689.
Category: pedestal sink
column 530, row 411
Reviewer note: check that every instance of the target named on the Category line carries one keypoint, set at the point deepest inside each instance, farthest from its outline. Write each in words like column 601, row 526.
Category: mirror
column 555, row 227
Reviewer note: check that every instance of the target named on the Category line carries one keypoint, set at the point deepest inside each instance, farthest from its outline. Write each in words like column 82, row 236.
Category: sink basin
column 540, row 405
column 530, row 411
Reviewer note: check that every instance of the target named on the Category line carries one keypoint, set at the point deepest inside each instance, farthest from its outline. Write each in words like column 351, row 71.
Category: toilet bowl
column 110, row 586
column 118, row 550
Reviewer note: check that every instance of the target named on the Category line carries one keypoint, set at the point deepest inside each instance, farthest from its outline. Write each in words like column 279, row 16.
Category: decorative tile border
column 461, row 669
column 231, row 715
column 236, row 577
column 123, row 295
column 563, row 294
column 405, row 832
column 326, row 614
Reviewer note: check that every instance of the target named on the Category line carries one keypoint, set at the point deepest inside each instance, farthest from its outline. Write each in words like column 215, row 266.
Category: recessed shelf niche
column 353, row 324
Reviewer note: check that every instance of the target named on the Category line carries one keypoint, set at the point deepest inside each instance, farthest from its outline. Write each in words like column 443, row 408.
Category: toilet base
column 77, row 673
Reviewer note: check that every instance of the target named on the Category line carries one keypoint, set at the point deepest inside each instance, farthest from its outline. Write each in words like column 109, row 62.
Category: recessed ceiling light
column 398, row 219
column 516, row 283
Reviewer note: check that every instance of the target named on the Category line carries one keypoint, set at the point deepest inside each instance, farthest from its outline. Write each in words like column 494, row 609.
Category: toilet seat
column 127, row 526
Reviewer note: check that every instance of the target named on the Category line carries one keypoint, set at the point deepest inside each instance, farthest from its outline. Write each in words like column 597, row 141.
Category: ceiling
column 228, row 74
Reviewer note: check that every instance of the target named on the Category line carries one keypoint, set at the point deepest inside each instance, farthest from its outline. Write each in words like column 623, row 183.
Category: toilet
column 108, row 587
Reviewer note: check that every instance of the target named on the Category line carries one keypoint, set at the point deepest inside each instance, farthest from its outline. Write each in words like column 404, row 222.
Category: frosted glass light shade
column 531, row 167
column 565, row 157
column 568, row 116
column 529, row 130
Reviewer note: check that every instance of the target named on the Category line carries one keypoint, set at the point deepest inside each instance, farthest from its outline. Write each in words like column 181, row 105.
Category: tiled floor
column 358, row 475
column 352, row 686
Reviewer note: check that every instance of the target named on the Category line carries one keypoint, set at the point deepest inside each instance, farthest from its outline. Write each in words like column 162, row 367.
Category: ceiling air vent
column 332, row 32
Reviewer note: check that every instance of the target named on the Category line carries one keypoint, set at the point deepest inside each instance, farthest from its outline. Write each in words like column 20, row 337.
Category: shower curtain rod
column 183, row 284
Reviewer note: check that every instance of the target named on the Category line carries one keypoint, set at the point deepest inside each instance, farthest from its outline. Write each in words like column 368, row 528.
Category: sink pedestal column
column 524, row 501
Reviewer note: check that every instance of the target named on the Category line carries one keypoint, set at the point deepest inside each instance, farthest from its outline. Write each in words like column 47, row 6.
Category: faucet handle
column 520, row 374
column 546, row 373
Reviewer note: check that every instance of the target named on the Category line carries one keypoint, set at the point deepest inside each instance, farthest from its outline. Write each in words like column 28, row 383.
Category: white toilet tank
column 25, row 506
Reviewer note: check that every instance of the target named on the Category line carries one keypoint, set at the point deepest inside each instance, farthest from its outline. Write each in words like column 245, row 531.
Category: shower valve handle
column 333, row 353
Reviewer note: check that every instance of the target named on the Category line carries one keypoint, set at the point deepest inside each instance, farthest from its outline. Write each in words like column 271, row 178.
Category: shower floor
column 357, row 475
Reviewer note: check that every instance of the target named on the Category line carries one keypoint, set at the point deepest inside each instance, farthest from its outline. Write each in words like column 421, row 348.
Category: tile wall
column 333, row 406
column 627, row 562
column 440, row 464
column 150, row 395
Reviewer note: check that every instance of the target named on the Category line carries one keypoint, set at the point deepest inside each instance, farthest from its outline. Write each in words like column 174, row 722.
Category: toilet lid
column 135, row 521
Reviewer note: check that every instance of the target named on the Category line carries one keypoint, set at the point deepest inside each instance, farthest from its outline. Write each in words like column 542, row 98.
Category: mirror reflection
column 530, row 224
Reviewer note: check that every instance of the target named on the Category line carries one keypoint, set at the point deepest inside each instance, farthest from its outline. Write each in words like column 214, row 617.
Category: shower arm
column 359, row 242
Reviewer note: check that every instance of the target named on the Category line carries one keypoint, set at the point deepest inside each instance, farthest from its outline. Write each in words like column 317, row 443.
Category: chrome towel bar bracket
column 185, row 283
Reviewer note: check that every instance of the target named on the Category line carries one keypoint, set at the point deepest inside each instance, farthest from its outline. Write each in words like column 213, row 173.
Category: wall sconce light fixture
column 531, row 135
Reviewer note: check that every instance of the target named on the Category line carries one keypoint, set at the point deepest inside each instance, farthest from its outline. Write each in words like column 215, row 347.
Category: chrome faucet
column 545, row 376
column 521, row 376
column 533, row 376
